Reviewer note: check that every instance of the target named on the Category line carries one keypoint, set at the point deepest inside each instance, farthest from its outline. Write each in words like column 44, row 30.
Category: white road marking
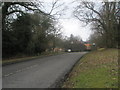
column 20, row 70
column 8, row 74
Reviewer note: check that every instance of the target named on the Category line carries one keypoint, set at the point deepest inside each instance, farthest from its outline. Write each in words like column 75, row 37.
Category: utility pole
column 118, row 25
column 118, row 15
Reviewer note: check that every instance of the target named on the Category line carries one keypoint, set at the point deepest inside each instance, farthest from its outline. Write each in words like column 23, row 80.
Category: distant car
column 69, row 50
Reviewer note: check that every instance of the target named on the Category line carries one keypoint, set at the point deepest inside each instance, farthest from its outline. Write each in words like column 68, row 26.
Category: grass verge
column 97, row 69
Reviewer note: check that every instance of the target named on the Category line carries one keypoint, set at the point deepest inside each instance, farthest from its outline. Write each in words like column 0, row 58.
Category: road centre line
column 20, row 70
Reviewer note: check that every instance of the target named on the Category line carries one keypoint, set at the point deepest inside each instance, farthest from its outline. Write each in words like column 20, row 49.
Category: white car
column 69, row 50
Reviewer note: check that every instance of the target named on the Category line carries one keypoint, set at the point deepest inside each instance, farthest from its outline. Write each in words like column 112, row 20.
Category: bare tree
column 56, row 8
column 103, row 19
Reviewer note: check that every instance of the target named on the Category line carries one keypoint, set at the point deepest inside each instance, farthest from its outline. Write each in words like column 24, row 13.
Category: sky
column 73, row 26
column 70, row 25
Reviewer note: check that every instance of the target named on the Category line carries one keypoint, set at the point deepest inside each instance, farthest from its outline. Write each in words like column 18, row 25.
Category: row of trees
column 104, row 20
column 26, row 29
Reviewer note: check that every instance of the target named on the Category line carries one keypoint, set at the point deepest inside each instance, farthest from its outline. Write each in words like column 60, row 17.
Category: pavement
column 44, row 72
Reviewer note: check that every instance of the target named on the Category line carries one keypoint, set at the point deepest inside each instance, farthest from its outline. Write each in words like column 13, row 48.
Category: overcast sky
column 69, row 23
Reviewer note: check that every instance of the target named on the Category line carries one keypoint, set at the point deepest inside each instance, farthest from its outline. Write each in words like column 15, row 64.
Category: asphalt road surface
column 39, row 73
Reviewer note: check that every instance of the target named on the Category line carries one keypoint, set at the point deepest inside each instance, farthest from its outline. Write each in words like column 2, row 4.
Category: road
column 39, row 73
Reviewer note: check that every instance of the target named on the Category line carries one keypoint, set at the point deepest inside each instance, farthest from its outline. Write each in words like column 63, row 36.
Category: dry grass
column 97, row 69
